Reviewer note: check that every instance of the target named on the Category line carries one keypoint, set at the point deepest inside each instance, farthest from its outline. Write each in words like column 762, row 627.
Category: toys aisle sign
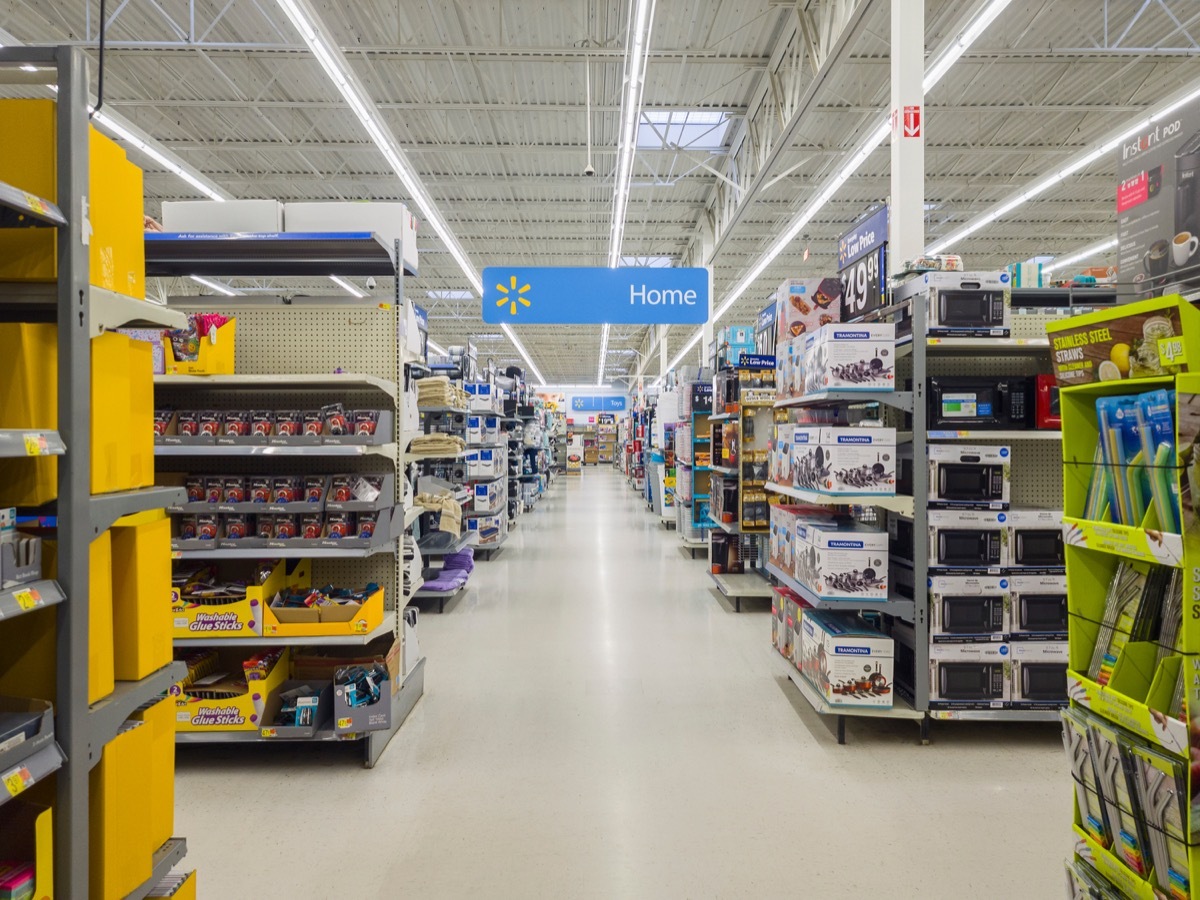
column 862, row 265
column 1158, row 204
column 613, row 403
column 566, row 295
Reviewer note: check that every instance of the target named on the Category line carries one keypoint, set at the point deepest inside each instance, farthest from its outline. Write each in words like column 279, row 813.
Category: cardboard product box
column 806, row 470
column 1035, row 539
column 968, row 539
column 28, row 399
column 968, row 609
column 965, row 304
column 777, row 612
column 1039, row 674
column 390, row 221
column 120, row 843
column 159, row 797
column 352, row 717
column 141, row 567
column 844, row 460
column 485, row 463
column 970, row 476
column 851, row 358
column 249, row 216
column 1025, row 274
column 791, row 612
column 802, row 305
column 969, row 676
column 490, row 429
column 842, row 563
column 318, row 708
column 220, row 698
column 475, row 429
column 489, row 496
column 1039, row 606
column 781, row 538
column 848, row 662
column 484, row 397
column 491, row 529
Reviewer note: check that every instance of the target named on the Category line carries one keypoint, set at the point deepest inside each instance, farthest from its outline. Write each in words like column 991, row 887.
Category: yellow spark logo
column 512, row 295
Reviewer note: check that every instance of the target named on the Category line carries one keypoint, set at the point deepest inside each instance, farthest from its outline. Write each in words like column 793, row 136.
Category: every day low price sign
column 521, row 295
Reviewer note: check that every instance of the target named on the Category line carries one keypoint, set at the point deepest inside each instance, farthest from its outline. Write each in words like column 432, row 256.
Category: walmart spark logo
column 512, row 295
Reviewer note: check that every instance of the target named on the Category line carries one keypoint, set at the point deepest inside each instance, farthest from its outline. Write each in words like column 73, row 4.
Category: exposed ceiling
column 488, row 99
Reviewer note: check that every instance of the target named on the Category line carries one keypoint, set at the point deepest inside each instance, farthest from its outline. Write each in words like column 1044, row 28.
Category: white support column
column 906, row 232
column 662, row 349
column 706, row 333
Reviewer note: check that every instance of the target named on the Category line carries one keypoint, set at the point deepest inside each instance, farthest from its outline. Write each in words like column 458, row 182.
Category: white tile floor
column 596, row 723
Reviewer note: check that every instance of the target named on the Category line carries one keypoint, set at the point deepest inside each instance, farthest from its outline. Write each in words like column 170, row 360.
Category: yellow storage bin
column 159, row 783
column 27, row 832
column 116, row 247
column 120, row 845
column 100, row 619
column 112, row 468
column 139, row 440
column 27, row 662
column 28, row 399
column 213, row 358
column 185, row 891
column 141, row 548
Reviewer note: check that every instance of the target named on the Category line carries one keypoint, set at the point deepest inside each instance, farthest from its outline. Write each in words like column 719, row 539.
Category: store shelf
column 411, row 514
column 21, row 209
column 487, row 446
column 17, row 442
column 32, row 595
column 992, row 346
column 487, row 480
column 297, row 552
column 743, row 586
column 107, row 508
column 899, row 503
column 166, row 857
column 725, row 470
column 107, row 715
column 338, row 640
column 311, row 450
column 282, row 383
column 902, row 400
column 985, row 435
column 418, row 456
column 902, row 608
column 900, row 708
column 727, row 527
column 996, row 715
column 110, row 311
column 28, row 764
column 442, row 597
column 441, row 409
column 254, row 736
column 722, row 417
column 268, row 254
column 466, row 539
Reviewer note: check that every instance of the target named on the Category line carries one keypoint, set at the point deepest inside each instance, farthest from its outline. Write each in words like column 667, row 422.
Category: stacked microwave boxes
column 487, row 462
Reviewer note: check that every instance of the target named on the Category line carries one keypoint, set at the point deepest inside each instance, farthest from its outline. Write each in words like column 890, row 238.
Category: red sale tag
column 1132, row 192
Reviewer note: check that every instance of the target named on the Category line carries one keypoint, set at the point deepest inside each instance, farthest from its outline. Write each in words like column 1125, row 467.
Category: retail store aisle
column 597, row 724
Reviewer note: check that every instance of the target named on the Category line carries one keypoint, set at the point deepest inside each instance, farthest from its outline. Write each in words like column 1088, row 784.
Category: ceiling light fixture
column 122, row 130
column 512, row 336
column 437, row 348
column 933, row 74
column 1080, row 162
column 216, row 286
column 347, row 286
column 1085, row 253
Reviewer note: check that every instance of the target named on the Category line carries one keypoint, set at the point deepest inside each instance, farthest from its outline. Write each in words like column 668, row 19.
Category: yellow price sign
column 1171, row 351
column 270, row 733
column 344, row 722
column 35, row 445
column 18, row 780
column 28, row 599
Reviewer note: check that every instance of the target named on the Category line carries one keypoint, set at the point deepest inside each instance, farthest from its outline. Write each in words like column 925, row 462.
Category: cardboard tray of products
column 242, row 618
column 215, row 357
column 385, row 430
column 241, row 712
column 320, row 719
column 323, row 663
column 327, row 621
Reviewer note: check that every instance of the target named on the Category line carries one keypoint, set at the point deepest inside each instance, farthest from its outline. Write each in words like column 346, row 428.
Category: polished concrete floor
column 597, row 723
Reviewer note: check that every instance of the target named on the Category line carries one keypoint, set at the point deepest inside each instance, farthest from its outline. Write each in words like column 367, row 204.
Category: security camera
column 590, row 170
column 370, row 283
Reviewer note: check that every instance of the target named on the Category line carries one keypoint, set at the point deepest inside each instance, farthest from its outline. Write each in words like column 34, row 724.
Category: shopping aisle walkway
column 597, row 724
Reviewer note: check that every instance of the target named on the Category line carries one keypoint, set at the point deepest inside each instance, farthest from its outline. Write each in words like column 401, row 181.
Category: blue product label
column 852, row 651
column 845, row 545
column 853, row 439
column 985, row 409
column 1003, row 452
column 852, row 335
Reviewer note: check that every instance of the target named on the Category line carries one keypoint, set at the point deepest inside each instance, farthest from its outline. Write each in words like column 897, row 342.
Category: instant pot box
column 848, row 662
column 969, row 676
column 968, row 609
column 802, row 305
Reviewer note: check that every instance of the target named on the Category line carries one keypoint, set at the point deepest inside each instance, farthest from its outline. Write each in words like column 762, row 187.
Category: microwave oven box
column 1039, row 606
column 845, row 460
column 851, row 358
column 1039, row 674
column 847, row 661
column 974, row 539
column 945, row 318
column 974, row 622
column 802, row 305
column 970, row 676
column 841, row 563
column 988, row 490
column 1044, row 552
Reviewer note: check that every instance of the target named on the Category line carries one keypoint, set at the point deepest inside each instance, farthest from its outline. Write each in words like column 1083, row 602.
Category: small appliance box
column 857, row 461
column 969, row 676
column 491, row 529
column 738, row 339
column 1035, row 539
column 851, row 358
column 483, row 429
column 968, row 539
column 1025, row 275
column 491, row 429
column 489, row 496
column 842, row 563
column 968, row 609
column 777, row 612
column 802, row 305
column 848, row 662
column 782, row 536
column 1039, row 674
column 962, row 304
column 484, row 397
column 1039, row 606
column 475, row 429
column 969, row 476
column 484, row 464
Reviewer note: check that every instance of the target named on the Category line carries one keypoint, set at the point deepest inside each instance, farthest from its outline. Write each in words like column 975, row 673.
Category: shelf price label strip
column 17, row 780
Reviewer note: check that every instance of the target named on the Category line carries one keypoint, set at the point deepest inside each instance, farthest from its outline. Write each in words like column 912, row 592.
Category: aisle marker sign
column 912, row 121
column 563, row 295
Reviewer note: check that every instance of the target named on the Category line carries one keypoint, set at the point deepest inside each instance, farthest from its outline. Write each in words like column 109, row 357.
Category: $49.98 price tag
column 862, row 285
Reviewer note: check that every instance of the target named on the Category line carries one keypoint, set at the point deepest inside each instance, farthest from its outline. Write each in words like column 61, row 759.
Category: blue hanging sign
column 610, row 402
column 562, row 295
column 865, row 236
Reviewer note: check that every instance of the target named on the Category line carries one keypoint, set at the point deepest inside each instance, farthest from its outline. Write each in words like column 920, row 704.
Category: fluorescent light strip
column 1080, row 162
column 436, row 347
column 638, row 27
column 216, row 286
column 874, row 138
column 323, row 47
column 603, row 353
column 512, row 336
column 571, row 387
column 347, row 286
column 1086, row 253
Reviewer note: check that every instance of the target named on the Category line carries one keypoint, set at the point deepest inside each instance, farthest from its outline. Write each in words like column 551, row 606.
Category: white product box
column 777, row 619
column 962, row 303
column 968, row 608
column 249, row 216
column 851, row 358
column 1035, row 538
column 1039, row 606
column 484, row 397
column 968, row 538
column 806, row 442
column 491, row 429
column 969, row 676
column 969, row 476
column 8, row 523
column 853, row 461
column 491, row 529
column 1039, row 674
column 849, row 663
column 484, row 463
column 489, row 496
column 841, row 563
column 391, row 221
column 802, row 305
column 780, row 541
column 475, row 429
